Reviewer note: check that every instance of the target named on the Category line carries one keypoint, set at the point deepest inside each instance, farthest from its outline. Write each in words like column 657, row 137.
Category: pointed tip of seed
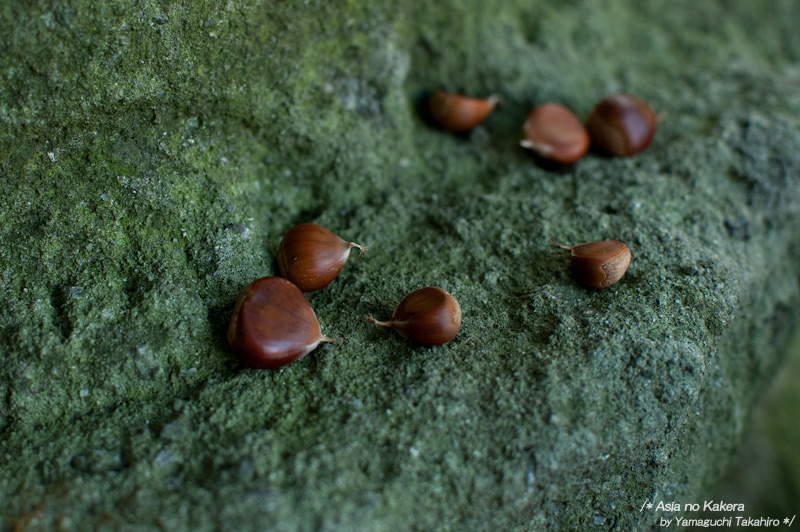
column 371, row 319
column 362, row 250
column 545, row 150
column 556, row 244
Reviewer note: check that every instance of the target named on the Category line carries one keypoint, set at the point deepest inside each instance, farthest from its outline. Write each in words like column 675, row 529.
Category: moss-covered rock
column 153, row 153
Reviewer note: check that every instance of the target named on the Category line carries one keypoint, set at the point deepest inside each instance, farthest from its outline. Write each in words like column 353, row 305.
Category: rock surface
column 152, row 154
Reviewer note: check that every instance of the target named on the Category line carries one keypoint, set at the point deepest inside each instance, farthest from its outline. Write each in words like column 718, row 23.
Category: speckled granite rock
column 152, row 154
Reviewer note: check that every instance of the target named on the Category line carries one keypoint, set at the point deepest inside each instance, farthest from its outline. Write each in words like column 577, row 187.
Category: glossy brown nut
column 622, row 125
column 458, row 113
column 273, row 324
column 429, row 316
column 554, row 132
column 598, row 264
column 312, row 256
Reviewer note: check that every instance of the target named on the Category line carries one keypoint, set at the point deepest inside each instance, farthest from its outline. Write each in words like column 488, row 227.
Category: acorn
column 312, row 256
column 429, row 316
column 622, row 125
column 273, row 324
column 553, row 132
column 458, row 113
column 598, row 264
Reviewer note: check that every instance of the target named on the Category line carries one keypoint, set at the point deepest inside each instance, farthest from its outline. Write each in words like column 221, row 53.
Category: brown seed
column 555, row 133
column 428, row 316
column 311, row 256
column 273, row 324
column 458, row 113
column 622, row 125
column 598, row 264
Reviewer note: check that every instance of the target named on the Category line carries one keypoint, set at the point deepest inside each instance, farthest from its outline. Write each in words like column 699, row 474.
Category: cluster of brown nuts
column 620, row 124
column 273, row 323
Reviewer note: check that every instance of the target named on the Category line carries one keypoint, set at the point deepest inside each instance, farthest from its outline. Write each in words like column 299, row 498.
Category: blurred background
column 765, row 475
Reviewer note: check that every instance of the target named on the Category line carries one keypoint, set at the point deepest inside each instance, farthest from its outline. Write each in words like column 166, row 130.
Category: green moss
column 153, row 155
column 766, row 476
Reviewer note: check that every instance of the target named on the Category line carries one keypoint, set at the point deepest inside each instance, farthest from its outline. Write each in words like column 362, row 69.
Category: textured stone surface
column 152, row 154
column 766, row 473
